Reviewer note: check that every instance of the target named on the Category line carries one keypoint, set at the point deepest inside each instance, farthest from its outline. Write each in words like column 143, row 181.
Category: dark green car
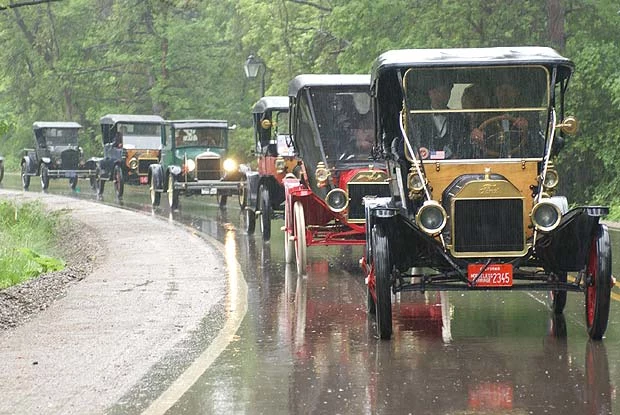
column 193, row 162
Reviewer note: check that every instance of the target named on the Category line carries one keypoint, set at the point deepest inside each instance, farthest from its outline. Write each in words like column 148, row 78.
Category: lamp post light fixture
column 252, row 66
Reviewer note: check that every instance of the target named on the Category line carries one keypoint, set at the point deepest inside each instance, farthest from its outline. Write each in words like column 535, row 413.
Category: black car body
column 485, row 217
column 57, row 154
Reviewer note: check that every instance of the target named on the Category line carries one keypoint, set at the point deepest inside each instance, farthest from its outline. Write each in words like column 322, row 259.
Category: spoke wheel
column 289, row 243
column 383, row 283
column 250, row 221
column 598, row 280
column 265, row 212
column 173, row 194
column 243, row 197
column 1, row 172
column 93, row 183
column 25, row 177
column 300, row 237
column 73, row 181
column 558, row 298
column 222, row 199
column 119, row 181
column 155, row 195
column 45, row 177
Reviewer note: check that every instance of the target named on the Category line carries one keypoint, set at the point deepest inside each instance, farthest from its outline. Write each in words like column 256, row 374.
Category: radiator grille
column 208, row 169
column 70, row 159
column 488, row 225
column 143, row 165
column 357, row 191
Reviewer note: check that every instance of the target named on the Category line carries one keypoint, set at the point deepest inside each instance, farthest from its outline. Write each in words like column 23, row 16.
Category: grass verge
column 27, row 241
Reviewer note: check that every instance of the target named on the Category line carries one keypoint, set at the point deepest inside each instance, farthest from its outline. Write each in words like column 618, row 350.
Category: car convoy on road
column 439, row 163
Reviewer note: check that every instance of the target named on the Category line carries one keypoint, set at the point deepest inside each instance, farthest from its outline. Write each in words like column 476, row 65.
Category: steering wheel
column 501, row 136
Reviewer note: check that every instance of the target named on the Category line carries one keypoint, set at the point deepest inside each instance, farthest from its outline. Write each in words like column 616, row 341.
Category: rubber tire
column 1, row 172
column 173, row 194
column 45, row 177
column 243, row 197
column 154, row 194
column 25, row 177
column 299, row 228
column 265, row 212
column 598, row 292
column 222, row 199
column 557, row 298
column 73, row 181
column 250, row 221
column 119, row 182
column 383, row 284
column 289, row 243
column 100, row 186
column 93, row 183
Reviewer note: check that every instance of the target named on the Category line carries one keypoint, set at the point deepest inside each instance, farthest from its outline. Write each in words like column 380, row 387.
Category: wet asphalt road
column 307, row 346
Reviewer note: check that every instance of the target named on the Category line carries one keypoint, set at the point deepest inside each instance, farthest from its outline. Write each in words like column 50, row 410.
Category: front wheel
column 173, row 194
column 383, row 282
column 243, row 197
column 222, row 199
column 119, row 181
column 250, row 221
column 598, row 288
column 45, row 177
column 289, row 242
column 73, row 181
column 25, row 177
column 155, row 195
column 265, row 212
column 300, row 237
column 558, row 297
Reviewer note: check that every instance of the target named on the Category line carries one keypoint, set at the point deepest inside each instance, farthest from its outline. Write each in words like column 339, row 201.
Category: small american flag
column 438, row 154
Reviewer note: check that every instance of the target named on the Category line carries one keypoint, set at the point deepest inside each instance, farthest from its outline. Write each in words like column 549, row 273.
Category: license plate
column 495, row 275
column 144, row 179
column 208, row 191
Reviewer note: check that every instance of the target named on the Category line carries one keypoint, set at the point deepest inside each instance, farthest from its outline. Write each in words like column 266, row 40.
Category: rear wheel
column 45, row 177
column 1, row 172
column 300, row 237
column 383, row 284
column 250, row 221
column 155, row 195
column 558, row 297
column 265, row 212
column 242, row 195
column 119, row 181
column 173, row 194
column 93, row 183
column 222, row 198
column 25, row 177
column 598, row 280
column 73, row 181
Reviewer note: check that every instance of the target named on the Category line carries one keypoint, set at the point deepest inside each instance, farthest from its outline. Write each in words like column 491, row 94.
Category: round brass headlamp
column 415, row 182
column 551, row 179
column 546, row 216
column 321, row 173
column 133, row 163
column 337, row 200
column 431, row 217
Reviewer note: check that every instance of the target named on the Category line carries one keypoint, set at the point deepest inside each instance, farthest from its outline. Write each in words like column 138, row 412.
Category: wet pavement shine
column 306, row 344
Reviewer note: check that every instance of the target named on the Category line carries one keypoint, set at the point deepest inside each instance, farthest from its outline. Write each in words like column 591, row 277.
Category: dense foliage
column 80, row 59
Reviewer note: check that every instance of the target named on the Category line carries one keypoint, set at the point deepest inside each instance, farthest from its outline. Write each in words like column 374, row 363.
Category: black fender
column 31, row 165
column 156, row 176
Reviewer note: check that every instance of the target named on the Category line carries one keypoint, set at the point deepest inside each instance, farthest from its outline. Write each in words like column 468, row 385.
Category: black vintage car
column 56, row 155
column 194, row 162
column 131, row 143
column 478, row 209
column 262, row 195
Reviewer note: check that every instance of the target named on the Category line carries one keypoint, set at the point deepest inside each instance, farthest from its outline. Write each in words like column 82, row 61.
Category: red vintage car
column 332, row 131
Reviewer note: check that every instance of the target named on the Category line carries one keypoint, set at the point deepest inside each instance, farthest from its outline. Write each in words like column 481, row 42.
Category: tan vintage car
column 469, row 137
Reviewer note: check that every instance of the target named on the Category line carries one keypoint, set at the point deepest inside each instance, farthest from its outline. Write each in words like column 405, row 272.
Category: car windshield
column 141, row 136
column 61, row 137
column 200, row 137
column 344, row 122
column 481, row 112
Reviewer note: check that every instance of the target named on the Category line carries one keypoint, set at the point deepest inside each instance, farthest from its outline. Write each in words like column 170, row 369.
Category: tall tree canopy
column 80, row 59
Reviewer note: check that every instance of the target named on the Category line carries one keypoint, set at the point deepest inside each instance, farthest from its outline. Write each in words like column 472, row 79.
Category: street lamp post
column 252, row 66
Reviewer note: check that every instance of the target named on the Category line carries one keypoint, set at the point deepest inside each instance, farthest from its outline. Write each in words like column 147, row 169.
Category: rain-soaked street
column 306, row 344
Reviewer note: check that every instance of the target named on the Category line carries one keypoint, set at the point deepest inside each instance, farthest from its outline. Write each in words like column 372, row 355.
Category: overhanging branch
column 25, row 3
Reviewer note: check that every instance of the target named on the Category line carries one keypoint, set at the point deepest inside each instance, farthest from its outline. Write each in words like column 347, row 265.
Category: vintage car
column 262, row 195
column 131, row 143
column 478, row 210
column 56, row 155
column 193, row 162
column 332, row 130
